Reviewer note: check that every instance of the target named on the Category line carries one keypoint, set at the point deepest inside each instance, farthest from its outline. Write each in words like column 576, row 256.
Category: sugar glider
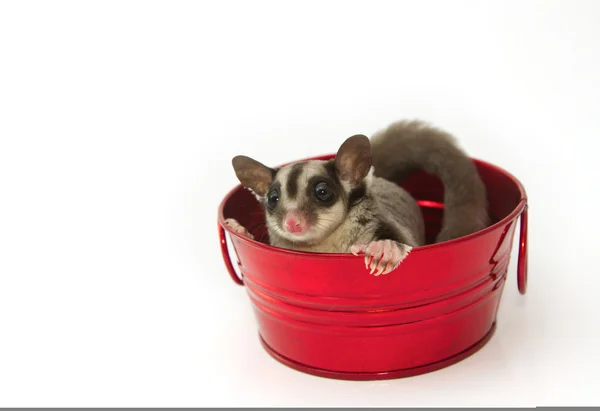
column 350, row 204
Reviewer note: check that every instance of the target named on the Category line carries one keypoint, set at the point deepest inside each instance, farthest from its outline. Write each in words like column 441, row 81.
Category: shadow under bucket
column 325, row 315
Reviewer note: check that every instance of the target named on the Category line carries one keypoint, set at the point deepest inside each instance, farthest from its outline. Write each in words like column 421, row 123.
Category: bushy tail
column 410, row 145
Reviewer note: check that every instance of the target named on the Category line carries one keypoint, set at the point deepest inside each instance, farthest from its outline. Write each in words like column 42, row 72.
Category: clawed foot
column 238, row 228
column 382, row 256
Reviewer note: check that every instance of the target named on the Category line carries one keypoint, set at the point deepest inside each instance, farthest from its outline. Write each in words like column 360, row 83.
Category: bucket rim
column 513, row 215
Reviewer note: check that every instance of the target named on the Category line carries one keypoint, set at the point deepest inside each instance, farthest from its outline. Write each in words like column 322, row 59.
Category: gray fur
column 383, row 210
column 409, row 145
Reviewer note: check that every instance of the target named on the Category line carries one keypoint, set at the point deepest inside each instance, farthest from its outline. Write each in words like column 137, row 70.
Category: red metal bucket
column 325, row 315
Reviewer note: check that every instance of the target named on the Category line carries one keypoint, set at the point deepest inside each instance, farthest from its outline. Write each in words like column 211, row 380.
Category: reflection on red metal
column 430, row 204
column 325, row 315
column 522, row 266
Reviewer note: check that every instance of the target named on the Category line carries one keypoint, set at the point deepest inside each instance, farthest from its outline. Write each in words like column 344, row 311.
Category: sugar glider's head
column 305, row 202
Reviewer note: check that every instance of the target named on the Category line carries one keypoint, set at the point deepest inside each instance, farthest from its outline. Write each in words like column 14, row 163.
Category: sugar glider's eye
column 323, row 192
column 272, row 198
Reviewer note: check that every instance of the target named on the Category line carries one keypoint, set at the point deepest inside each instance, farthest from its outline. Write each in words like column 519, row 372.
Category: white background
column 118, row 121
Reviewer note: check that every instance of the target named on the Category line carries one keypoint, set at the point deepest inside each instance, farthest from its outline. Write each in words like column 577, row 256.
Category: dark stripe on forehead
column 291, row 186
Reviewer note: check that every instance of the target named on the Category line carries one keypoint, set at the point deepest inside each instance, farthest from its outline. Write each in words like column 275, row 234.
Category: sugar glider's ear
column 252, row 174
column 353, row 159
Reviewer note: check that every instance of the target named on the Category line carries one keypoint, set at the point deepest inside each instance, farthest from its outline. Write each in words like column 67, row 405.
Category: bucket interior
column 503, row 193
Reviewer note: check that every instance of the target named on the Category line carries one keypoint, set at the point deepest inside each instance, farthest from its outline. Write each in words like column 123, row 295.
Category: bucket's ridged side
column 379, row 349
column 366, row 314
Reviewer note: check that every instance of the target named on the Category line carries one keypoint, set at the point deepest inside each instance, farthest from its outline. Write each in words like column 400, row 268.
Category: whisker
column 326, row 219
column 322, row 227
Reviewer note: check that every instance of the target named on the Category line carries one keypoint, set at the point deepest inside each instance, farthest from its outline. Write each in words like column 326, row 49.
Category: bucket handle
column 522, row 262
column 227, row 257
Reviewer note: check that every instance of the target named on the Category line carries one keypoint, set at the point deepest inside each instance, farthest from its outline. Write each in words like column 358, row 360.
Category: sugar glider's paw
column 382, row 256
column 238, row 228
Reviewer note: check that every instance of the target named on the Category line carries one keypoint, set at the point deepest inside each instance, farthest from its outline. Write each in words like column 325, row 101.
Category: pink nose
column 294, row 222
